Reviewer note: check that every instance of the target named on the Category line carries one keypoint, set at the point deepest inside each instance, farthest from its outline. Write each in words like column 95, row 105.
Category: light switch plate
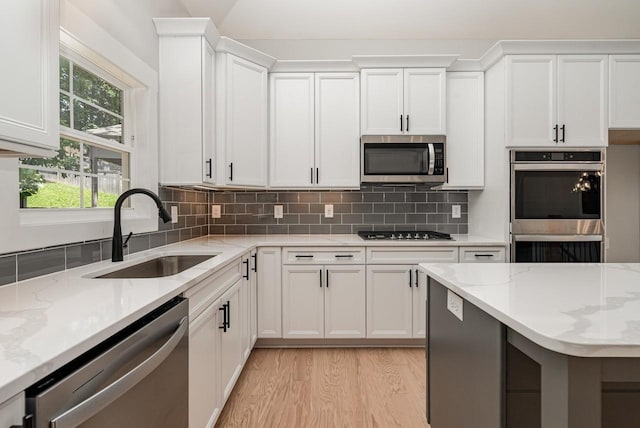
column 215, row 211
column 174, row 213
column 455, row 304
column 455, row 211
column 277, row 211
column 328, row 211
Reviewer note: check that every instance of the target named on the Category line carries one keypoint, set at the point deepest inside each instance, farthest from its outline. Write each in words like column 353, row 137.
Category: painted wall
column 622, row 213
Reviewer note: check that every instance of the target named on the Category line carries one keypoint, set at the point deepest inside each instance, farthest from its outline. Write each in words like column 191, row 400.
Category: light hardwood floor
column 338, row 387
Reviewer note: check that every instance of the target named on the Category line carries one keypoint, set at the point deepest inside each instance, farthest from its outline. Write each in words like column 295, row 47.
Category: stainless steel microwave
column 403, row 159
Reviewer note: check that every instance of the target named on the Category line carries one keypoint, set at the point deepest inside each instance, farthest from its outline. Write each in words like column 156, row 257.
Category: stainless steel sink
column 159, row 267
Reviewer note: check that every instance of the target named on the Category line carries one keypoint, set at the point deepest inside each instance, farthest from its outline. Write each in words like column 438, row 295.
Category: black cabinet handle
column 224, row 317
column 246, row 263
column 255, row 262
column 555, row 129
column 209, row 174
column 400, row 123
column 407, row 123
column 327, row 278
column 483, row 255
column 231, row 171
column 317, row 175
column 562, row 139
column 311, row 175
column 410, row 278
column 27, row 422
column 320, row 278
column 304, row 256
column 228, row 314
column 344, row 256
column 417, row 285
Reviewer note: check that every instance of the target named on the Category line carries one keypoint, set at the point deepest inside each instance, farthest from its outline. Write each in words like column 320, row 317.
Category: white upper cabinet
column 292, row 129
column 242, row 122
column 337, row 112
column 187, row 103
column 624, row 91
column 29, row 88
column 403, row 101
column 465, row 129
column 424, row 101
column 314, row 139
column 556, row 100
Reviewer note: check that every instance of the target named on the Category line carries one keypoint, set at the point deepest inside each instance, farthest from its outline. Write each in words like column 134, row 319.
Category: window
column 92, row 165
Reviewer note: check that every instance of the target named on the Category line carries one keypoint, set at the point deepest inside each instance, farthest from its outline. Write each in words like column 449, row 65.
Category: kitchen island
column 533, row 345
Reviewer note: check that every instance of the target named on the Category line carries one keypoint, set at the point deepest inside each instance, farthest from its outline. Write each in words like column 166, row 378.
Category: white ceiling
column 421, row 19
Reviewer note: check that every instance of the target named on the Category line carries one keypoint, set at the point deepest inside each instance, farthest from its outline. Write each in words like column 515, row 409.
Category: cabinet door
column 624, row 91
column 291, row 134
column 382, row 108
column 303, row 302
column 208, row 112
column 243, row 296
column 531, row 100
column 419, row 303
column 230, row 341
column 269, row 292
column 246, row 123
column 29, row 110
column 203, row 382
column 344, row 302
column 336, row 129
column 389, row 301
column 253, row 299
column 582, row 100
column 465, row 129
column 424, row 101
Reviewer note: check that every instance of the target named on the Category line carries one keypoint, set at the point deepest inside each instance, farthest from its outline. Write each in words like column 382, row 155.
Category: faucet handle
column 126, row 241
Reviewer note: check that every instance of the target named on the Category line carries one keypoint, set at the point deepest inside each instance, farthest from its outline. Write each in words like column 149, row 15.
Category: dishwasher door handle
column 101, row 399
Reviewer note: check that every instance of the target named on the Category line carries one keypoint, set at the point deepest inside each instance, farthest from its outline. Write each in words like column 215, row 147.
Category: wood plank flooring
column 337, row 387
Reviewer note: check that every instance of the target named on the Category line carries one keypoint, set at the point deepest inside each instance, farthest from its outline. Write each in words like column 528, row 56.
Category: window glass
column 96, row 122
column 92, row 88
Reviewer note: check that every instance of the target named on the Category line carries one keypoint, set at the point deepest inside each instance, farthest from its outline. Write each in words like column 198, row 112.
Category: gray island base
column 483, row 373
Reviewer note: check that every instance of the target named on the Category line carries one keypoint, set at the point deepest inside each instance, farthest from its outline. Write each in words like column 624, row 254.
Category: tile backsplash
column 193, row 214
column 370, row 208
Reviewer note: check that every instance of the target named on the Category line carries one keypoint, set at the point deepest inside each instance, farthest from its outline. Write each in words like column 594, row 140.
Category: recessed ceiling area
column 421, row 19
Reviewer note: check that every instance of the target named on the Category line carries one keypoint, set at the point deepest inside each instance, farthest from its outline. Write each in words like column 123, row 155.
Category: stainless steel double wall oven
column 557, row 206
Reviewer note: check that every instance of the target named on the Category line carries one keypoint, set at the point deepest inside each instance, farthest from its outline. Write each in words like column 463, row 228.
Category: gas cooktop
column 424, row 235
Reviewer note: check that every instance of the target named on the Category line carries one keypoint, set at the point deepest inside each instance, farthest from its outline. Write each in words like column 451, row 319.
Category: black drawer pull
column 344, row 256
column 484, row 255
column 304, row 256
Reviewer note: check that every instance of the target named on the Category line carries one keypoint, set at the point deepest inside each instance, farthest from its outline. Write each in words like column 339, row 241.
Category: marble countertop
column 585, row 310
column 47, row 321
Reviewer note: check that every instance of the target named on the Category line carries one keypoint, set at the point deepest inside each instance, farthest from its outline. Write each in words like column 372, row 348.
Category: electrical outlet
column 328, row 211
column 455, row 211
column 174, row 213
column 277, row 211
column 216, row 211
column 455, row 304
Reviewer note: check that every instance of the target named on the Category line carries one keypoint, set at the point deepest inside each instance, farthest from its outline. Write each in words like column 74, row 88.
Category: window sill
column 55, row 216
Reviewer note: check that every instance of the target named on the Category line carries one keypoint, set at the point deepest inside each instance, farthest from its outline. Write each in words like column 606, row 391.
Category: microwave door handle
column 98, row 401
column 432, row 158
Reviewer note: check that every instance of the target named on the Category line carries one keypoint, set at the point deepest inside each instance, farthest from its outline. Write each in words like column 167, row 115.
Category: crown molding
column 310, row 66
column 231, row 46
column 399, row 61
column 177, row 27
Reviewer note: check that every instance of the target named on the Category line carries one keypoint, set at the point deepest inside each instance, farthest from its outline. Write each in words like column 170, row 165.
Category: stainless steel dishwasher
column 137, row 378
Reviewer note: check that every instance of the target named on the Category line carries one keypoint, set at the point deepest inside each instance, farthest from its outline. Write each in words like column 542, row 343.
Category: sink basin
column 159, row 267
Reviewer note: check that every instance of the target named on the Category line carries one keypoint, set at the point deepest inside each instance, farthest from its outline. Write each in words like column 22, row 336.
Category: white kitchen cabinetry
column 314, row 139
column 241, row 112
column 269, row 292
column 29, row 104
column 420, row 305
column 244, row 296
column 403, row 101
column 556, row 100
column 323, row 293
column 624, row 91
column 187, row 103
column 465, row 130
column 482, row 255
column 12, row 411
column 253, row 299
column 230, row 355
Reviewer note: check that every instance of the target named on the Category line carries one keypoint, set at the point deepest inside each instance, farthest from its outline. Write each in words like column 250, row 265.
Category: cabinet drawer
column 482, row 255
column 205, row 292
column 328, row 255
column 411, row 255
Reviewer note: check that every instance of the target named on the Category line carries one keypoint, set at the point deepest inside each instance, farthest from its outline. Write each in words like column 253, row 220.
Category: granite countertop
column 47, row 321
column 584, row 310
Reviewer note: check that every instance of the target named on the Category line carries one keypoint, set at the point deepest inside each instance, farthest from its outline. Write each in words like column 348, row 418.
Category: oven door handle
column 557, row 166
column 432, row 158
column 557, row 238
column 101, row 399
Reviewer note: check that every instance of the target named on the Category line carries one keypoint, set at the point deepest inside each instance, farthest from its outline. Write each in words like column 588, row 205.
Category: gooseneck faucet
column 116, row 243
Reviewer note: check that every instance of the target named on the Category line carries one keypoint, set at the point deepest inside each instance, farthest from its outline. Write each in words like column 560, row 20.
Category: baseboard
column 340, row 343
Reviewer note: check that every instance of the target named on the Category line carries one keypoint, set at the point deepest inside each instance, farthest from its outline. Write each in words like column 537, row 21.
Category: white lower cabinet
column 269, row 292
column 230, row 348
column 321, row 301
column 253, row 299
column 12, row 411
column 245, row 302
column 396, row 296
column 204, row 404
